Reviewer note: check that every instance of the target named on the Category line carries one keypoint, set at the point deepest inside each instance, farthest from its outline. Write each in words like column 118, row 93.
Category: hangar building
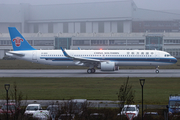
column 107, row 25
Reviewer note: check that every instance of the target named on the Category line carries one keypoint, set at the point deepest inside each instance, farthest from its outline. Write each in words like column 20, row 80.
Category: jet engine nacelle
column 108, row 66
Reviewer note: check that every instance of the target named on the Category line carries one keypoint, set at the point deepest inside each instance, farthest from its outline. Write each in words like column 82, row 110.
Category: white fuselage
column 119, row 57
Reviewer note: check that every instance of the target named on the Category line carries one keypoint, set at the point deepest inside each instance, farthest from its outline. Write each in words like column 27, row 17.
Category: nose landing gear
column 157, row 70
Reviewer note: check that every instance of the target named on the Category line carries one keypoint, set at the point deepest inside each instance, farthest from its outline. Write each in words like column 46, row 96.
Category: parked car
column 53, row 110
column 31, row 108
column 74, row 106
column 97, row 116
column 79, row 105
column 130, row 109
column 151, row 116
column 11, row 108
column 174, row 105
column 41, row 115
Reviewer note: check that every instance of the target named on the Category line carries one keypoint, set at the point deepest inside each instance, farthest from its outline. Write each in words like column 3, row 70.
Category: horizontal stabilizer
column 17, row 54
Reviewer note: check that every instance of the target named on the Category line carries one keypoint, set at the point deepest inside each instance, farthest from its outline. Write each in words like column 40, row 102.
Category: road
column 92, row 103
column 83, row 73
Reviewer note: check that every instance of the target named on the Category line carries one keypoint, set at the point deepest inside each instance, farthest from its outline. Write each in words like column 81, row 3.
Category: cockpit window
column 167, row 55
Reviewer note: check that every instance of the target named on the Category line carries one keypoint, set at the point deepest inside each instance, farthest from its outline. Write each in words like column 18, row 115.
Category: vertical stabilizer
column 18, row 41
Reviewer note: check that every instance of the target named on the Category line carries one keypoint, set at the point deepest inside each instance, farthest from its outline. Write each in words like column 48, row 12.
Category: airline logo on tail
column 18, row 41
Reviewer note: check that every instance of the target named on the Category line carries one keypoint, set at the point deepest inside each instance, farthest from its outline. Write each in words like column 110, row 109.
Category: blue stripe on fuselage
column 57, row 59
column 165, row 60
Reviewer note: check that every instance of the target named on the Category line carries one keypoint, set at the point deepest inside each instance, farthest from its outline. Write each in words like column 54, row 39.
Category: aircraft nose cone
column 175, row 60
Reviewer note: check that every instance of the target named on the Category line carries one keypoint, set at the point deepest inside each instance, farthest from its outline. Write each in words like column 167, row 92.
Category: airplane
column 105, row 60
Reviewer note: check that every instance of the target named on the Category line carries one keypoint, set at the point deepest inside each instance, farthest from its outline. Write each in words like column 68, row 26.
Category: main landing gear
column 91, row 70
column 157, row 70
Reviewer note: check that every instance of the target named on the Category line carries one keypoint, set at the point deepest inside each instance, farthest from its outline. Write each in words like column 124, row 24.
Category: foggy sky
column 146, row 4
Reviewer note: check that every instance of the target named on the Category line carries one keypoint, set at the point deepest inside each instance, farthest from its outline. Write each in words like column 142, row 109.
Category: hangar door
column 62, row 42
column 154, row 42
column 2, row 52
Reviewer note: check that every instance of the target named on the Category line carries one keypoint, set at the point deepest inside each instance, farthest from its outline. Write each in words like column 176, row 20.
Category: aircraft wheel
column 89, row 71
column 93, row 70
column 157, row 71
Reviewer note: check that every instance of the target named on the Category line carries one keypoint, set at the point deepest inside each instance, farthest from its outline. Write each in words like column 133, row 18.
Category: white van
column 31, row 108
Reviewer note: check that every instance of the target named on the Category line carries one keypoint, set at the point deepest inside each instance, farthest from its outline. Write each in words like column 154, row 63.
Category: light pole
column 7, row 86
column 142, row 81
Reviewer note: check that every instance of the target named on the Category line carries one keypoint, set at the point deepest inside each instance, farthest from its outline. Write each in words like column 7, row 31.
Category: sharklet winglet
column 65, row 53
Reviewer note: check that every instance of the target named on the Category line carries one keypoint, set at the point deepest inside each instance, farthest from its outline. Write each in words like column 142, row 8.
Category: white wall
column 3, row 28
column 77, row 27
column 58, row 27
column 114, row 27
column 95, row 27
column 88, row 27
column 107, row 27
column 127, row 26
column 43, row 28
column 31, row 28
column 70, row 27
column 1, row 54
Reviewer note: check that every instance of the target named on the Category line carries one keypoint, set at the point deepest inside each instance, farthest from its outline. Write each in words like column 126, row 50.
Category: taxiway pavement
column 83, row 73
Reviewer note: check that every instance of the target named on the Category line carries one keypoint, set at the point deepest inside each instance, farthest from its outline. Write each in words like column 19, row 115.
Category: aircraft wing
column 82, row 60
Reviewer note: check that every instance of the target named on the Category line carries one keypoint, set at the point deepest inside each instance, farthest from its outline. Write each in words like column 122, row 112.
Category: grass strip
column 156, row 90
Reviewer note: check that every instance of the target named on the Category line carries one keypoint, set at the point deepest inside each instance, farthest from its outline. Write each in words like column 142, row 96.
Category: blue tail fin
column 18, row 41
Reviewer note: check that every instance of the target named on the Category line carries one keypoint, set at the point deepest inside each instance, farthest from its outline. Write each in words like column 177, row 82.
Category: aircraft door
column 103, row 56
column 34, row 55
column 157, row 55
